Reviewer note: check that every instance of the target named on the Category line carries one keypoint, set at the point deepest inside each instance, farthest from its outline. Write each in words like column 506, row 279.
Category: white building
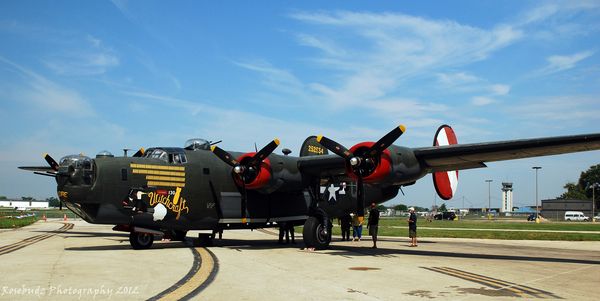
column 507, row 197
column 24, row 205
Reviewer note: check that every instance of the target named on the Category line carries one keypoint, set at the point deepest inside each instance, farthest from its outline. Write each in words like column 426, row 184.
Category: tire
column 314, row 235
column 140, row 241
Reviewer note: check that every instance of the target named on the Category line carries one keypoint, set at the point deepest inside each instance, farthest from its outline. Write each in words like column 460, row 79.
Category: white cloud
column 52, row 97
column 388, row 49
column 482, row 101
column 557, row 63
column 499, row 89
column 89, row 58
column 456, row 79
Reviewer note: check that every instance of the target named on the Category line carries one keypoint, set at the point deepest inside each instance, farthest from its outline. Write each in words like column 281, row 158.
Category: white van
column 575, row 216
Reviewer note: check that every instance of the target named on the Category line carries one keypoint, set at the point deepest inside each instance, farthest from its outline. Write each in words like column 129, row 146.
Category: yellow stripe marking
column 158, row 172
column 165, row 184
column 159, row 167
column 206, row 267
column 168, row 179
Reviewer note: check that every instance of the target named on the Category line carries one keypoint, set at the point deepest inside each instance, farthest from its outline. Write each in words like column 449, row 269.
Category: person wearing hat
column 373, row 224
column 412, row 227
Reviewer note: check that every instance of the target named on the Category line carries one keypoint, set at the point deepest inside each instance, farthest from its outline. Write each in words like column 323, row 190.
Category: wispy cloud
column 388, row 49
column 91, row 57
column 44, row 93
column 558, row 111
column 558, row 63
column 482, row 101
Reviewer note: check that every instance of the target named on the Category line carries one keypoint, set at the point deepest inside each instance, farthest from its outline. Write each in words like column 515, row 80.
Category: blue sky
column 87, row 76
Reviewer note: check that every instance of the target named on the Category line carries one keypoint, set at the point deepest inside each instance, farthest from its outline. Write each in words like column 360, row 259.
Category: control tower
column 507, row 197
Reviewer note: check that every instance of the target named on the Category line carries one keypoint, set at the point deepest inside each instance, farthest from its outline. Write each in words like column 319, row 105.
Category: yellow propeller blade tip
column 276, row 141
column 212, row 148
column 44, row 155
column 403, row 128
column 319, row 138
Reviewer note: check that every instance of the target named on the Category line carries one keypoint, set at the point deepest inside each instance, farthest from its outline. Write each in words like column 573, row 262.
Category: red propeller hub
column 379, row 167
column 256, row 178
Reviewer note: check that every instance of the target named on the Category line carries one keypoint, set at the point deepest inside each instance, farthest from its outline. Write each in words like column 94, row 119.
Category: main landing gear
column 317, row 232
column 140, row 241
column 317, row 228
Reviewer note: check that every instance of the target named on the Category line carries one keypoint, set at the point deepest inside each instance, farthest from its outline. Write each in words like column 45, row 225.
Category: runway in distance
column 170, row 190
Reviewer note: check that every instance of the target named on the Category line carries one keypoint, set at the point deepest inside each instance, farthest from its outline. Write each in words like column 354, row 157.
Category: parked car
column 575, row 216
column 445, row 215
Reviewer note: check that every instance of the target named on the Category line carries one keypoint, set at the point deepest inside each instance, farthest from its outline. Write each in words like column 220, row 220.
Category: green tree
column 53, row 202
column 2, row 197
column 442, row 208
column 401, row 207
column 421, row 209
column 581, row 190
column 27, row 198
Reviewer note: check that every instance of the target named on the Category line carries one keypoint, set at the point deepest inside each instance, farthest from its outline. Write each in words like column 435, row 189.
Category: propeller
column 362, row 160
column 247, row 169
column 53, row 164
column 139, row 153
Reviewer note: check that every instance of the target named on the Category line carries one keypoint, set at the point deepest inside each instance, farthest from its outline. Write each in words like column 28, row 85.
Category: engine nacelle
column 255, row 178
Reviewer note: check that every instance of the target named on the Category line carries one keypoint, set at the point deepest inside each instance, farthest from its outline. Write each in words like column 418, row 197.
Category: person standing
column 356, row 227
column 345, row 223
column 373, row 224
column 289, row 231
column 412, row 227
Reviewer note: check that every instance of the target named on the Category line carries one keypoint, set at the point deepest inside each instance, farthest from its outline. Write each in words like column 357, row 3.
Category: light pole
column 489, row 198
column 537, row 213
column 594, row 186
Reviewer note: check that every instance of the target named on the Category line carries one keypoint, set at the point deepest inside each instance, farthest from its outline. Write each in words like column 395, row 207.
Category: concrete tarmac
column 55, row 261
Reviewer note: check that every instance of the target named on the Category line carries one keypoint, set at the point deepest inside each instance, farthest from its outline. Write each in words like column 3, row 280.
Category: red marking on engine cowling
column 382, row 170
column 263, row 174
column 445, row 182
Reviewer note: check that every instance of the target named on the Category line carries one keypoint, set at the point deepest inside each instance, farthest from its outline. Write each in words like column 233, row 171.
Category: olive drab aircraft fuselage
column 169, row 190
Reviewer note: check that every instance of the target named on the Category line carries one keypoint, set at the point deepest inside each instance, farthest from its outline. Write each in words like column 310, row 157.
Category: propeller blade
column 386, row 141
column 51, row 162
column 224, row 155
column 60, row 205
column 139, row 153
column 334, row 147
column 360, row 197
column 264, row 152
column 244, row 200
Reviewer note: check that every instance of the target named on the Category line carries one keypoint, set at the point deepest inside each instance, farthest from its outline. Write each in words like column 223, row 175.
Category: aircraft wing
column 37, row 168
column 465, row 156
column 322, row 166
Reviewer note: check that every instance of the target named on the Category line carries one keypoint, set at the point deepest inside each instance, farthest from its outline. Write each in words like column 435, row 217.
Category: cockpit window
column 169, row 155
column 196, row 144
column 77, row 161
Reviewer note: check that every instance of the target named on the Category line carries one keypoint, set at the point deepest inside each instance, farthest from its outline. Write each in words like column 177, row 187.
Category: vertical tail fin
column 311, row 147
column 445, row 182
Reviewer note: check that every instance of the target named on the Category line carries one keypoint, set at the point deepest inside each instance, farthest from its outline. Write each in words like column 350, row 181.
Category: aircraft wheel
column 140, row 241
column 315, row 235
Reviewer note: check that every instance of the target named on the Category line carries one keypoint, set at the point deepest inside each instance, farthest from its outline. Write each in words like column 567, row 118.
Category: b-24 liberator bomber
column 169, row 190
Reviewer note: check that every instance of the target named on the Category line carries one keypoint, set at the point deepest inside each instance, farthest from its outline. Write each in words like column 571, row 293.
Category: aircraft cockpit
column 197, row 144
column 172, row 155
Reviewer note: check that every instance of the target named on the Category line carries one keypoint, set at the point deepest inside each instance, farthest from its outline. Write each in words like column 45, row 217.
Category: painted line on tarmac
column 34, row 239
column 502, row 230
column 201, row 274
column 513, row 289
